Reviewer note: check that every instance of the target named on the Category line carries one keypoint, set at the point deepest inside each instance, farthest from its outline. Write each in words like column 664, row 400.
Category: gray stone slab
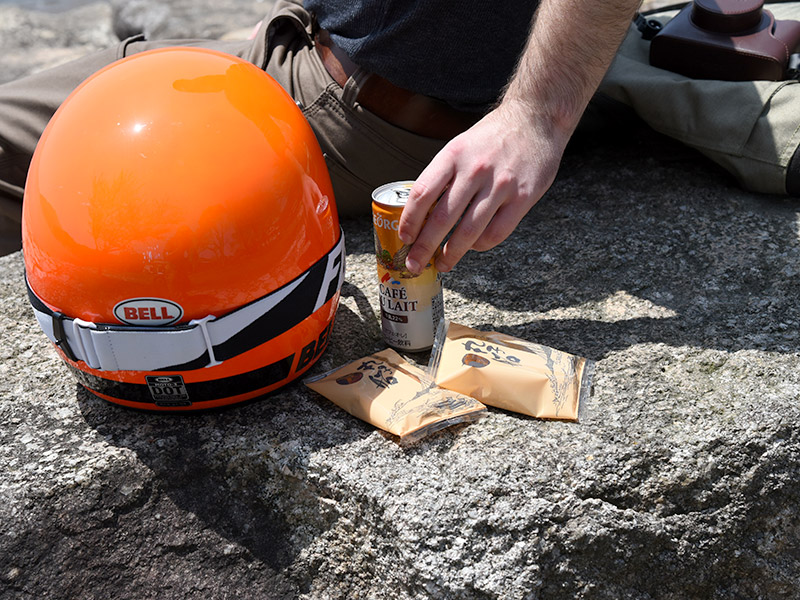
column 679, row 482
column 32, row 40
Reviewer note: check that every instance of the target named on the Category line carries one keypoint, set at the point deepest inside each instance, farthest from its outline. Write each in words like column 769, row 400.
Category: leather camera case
column 732, row 40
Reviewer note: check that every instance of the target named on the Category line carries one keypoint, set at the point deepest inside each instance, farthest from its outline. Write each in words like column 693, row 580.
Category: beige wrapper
column 385, row 390
column 510, row 373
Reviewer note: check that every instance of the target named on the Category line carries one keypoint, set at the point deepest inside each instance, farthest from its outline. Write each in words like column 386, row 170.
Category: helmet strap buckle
column 203, row 324
column 61, row 337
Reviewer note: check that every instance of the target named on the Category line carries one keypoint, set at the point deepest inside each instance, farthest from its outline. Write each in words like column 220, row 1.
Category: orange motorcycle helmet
column 181, row 242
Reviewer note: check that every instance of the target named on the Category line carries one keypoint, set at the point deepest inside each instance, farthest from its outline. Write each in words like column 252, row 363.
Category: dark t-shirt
column 460, row 52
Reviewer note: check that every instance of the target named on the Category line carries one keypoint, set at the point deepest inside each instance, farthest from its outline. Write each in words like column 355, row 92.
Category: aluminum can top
column 393, row 194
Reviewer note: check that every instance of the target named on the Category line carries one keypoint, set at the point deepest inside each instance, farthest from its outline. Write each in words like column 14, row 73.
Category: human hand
column 485, row 181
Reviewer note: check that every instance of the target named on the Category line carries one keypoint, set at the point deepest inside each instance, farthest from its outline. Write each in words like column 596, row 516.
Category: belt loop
column 122, row 48
column 353, row 86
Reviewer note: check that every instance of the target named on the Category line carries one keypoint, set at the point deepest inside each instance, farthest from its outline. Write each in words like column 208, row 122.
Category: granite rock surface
column 31, row 40
column 680, row 481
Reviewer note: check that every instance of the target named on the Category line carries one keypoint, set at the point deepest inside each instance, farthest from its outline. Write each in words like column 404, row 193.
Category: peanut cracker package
column 510, row 373
column 387, row 391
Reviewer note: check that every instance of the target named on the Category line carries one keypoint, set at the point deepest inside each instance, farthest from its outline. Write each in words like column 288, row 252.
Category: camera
column 732, row 40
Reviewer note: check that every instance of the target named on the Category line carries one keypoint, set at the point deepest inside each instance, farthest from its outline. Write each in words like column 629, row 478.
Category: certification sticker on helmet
column 168, row 390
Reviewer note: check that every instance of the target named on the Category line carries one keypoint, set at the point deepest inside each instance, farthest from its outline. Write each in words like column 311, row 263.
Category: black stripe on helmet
column 198, row 392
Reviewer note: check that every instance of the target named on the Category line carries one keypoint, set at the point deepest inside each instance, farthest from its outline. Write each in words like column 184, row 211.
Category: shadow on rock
column 236, row 489
column 605, row 261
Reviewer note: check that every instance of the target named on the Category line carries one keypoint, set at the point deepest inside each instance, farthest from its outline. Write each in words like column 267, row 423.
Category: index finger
column 427, row 189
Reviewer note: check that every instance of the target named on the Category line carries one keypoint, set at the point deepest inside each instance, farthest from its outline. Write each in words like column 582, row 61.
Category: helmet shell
column 184, row 175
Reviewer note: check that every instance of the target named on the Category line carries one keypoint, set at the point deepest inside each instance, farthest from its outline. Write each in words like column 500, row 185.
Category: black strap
column 649, row 28
column 282, row 317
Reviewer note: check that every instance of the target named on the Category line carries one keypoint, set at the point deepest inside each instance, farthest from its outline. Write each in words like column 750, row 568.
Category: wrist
column 544, row 120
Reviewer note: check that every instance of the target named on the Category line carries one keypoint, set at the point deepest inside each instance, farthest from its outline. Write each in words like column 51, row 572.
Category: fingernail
column 405, row 238
column 412, row 265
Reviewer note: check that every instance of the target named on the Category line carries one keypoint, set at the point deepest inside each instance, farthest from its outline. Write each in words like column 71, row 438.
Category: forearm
column 571, row 45
column 485, row 180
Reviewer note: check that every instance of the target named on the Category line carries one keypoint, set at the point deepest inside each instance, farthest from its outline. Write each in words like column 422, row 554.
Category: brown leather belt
column 413, row 112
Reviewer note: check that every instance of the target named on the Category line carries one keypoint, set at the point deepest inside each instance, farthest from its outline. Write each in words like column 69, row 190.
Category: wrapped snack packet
column 510, row 373
column 385, row 390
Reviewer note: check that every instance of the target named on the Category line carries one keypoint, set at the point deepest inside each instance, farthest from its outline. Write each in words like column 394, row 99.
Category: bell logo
column 148, row 312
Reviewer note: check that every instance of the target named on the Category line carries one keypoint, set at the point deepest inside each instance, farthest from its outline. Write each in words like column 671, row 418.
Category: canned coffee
column 411, row 305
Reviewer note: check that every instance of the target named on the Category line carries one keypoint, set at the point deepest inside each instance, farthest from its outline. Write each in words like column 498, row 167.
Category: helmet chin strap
column 201, row 342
